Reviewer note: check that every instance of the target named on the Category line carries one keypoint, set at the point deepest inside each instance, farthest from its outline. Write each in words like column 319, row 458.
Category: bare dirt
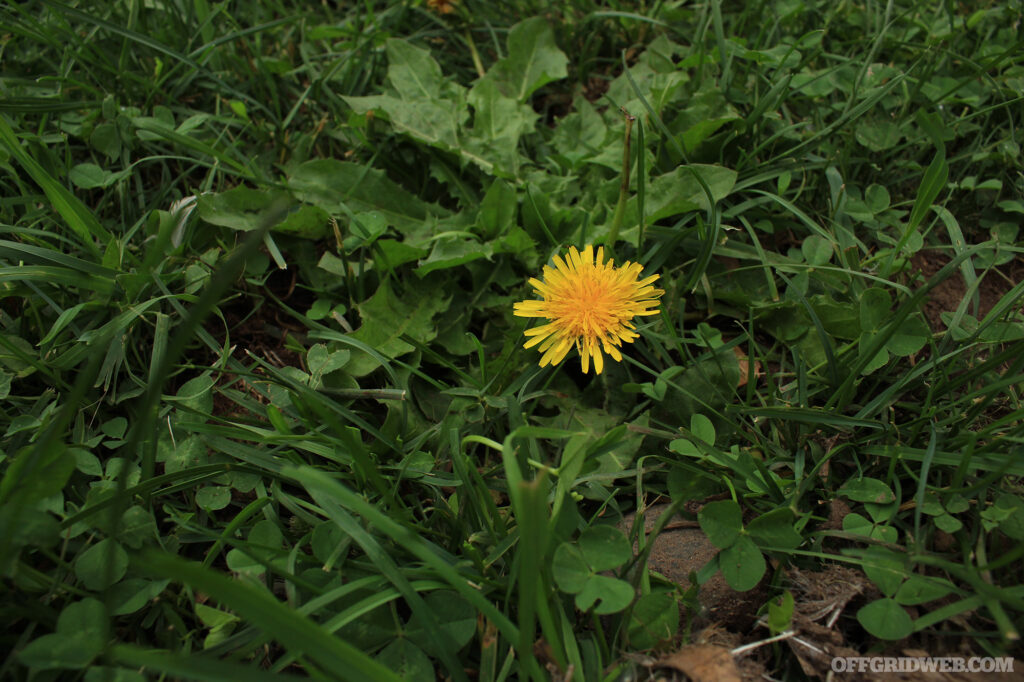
column 946, row 296
column 729, row 643
column 681, row 549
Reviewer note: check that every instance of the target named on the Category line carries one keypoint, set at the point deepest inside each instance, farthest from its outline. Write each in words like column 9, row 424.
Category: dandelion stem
column 476, row 55
column 368, row 393
column 620, row 207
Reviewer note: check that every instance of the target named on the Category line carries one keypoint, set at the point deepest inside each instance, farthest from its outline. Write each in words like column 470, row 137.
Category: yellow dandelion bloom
column 589, row 305
column 442, row 6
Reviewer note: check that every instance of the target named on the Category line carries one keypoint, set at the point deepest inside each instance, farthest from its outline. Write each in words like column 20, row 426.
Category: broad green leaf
column 920, row 589
column 581, row 135
column 498, row 210
column 196, row 394
column 195, row 400
column 327, row 537
column 1002, row 332
column 87, row 615
column 705, row 112
column 576, row 567
column 114, row 428
column 816, row 249
column 655, row 77
column 780, row 56
column 604, row 547
column 430, row 122
column 23, row 423
column 612, row 449
column 679, row 192
column 86, row 462
column 246, row 209
column 956, row 504
column 886, row 568
column 451, row 252
column 702, row 428
column 455, row 616
column 533, row 60
column 841, row 320
column 393, row 253
column 868, row 490
column 412, row 71
column 263, row 546
column 417, row 465
column 882, row 513
column 366, row 226
column 422, row 104
column 182, row 454
column 129, row 596
column 653, row 621
column 101, row 565
column 243, row 481
column 722, row 522
column 498, row 124
column 570, row 568
column 879, row 360
column 742, row 564
column 105, row 138
column 78, row 640
column 685, row 485
column 213, row 497
column 33, row 475
column 931, row 505
column 91, row 176
column 605, row 595
column 875, row 307
column 137, row 526
column 320, row 362
column 332, row 185
column 877, row 135
column 17, row 354
column 1011, row 206
column 857, row 523
column 212, row 617
column 386, row 317
column 876, row 198
column 909, row 337
column 265, row 537
column 408, row 661
column 1012, row 521
column 775, row 529
column 885, row 619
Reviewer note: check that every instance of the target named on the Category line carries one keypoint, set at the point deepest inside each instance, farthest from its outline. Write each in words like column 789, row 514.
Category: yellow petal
column 588, row 303
column 598, row 360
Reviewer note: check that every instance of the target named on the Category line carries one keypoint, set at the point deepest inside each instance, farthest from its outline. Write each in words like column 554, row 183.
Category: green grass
column 266, row 407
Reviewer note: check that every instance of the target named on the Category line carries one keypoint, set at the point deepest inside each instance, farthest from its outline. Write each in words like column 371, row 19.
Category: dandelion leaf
column 387, row 317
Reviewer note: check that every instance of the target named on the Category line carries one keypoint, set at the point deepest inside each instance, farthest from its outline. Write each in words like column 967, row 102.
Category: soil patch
column 946, row 296
column 682, row 549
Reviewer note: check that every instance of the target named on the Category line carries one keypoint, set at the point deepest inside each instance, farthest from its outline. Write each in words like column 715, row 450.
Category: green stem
column 620, row 207
column 476, row 55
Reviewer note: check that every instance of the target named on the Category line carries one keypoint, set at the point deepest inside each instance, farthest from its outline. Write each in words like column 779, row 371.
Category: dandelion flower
column 588, row 305
column 442, row 6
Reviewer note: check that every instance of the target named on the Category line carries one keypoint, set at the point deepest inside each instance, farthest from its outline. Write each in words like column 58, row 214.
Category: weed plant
column 266, row 410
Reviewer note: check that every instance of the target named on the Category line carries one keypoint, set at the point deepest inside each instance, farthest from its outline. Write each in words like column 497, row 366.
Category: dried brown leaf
column 704, row 663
